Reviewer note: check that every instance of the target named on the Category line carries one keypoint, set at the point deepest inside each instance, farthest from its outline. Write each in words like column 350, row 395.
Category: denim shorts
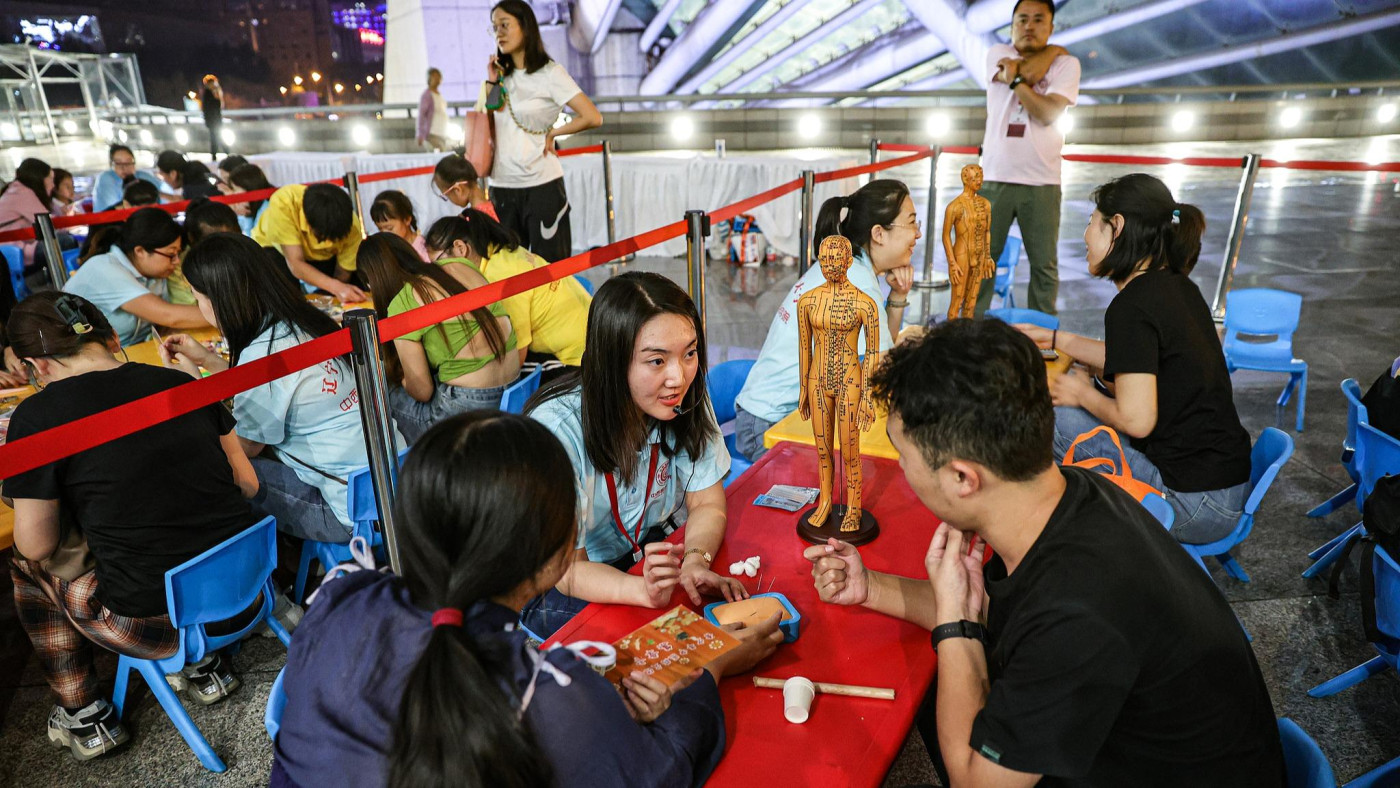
column 414, row 418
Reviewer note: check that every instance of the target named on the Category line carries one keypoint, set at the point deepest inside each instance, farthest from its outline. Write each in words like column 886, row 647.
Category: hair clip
column 1176, row 216
column 844, row 213
column 71, row 315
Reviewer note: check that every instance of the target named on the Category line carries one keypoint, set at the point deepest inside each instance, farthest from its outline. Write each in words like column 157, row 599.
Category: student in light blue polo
column 128, row 281
column 880, row 221
column 110, row 186
column 639, row 429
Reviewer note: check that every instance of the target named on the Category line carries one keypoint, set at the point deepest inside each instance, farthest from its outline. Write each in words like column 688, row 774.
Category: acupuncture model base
column 868, row 530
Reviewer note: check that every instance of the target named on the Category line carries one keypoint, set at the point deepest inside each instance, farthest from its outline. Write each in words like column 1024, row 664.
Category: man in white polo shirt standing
column 1031, row 85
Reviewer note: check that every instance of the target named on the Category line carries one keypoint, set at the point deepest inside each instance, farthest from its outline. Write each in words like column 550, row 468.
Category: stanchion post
column 874, row 156
column 697, row 228
column 608, row 202
column 1235, row 240
column 930, row 226
column 352, row 185
column 807, row 222
column 374, row 416
column 58, row 272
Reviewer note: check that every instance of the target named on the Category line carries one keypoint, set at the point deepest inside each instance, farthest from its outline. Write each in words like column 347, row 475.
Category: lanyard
column 646, row 499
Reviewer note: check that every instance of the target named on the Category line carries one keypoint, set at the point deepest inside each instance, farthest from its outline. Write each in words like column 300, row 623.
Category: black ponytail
column 458, row 725
column 1156, row 228
column 875, row 203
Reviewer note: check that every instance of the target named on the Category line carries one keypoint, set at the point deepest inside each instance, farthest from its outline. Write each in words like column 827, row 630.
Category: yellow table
column 875, row 442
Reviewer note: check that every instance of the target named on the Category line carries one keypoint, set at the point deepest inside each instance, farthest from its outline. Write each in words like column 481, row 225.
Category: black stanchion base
column 868, row 530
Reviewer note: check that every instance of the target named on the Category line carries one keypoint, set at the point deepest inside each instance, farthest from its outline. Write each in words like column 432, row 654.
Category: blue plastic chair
column 363, row 509
column 1032, row 316
column 1303, row 761
column 214, row 586
column 1356, row 414
column 1006, row 271
column 14, row 260
column 276, row 702
column 587, row 285
column 1160, row 509
column 70, row 259
column 1270, row 452
column 724, row 382
column 520, row 392
column 1387, row 574
column 1377, row 454
column 1262, row 312
column 1386, row 775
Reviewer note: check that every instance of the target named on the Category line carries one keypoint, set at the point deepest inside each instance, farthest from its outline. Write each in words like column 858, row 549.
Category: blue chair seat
column 1268, row 456
column 214, row 586
column 364, row 513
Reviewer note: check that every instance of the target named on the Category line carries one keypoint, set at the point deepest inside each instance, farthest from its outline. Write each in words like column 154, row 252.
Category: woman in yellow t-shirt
column 551, row 320
column 463, row 363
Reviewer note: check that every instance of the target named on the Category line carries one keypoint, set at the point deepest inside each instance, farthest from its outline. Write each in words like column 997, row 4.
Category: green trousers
column 1036, row 209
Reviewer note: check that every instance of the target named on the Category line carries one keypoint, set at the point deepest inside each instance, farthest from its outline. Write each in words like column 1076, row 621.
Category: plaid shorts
column 63, row 620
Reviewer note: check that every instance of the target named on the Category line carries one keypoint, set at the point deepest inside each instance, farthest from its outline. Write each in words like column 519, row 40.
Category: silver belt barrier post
column 929, row 279
column 697, row 228
column 351, row 181
column 807, row 222
column 374, row 416
column 874, row 157
column 58, row 272
column 1235, row 240
column 608, row 200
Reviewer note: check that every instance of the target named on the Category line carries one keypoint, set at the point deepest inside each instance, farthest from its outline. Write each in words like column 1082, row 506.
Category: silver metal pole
column 84, row 81
column 697, row 225
column 352, row 185
column 874, row 157
column 1236, row 237
column 608, row 201
column 43, row 98
column 374, row 416
column 930, row 279
column 807, row 222
column 58, row 272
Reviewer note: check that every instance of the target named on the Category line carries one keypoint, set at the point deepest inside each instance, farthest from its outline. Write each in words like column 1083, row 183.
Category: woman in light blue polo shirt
column 880, row 221
column 638, row 426
column 128, row 281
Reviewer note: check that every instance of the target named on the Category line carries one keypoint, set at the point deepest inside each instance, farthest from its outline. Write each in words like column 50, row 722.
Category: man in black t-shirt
column 1090, row 650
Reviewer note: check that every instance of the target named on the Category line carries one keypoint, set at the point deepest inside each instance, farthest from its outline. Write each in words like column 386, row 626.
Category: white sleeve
column 562, row 87
column 1063, row 78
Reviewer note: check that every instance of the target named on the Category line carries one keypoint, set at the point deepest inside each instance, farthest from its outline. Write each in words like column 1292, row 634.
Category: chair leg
column 1334, row 541
column 1302, row 397
column 119, row 691
column 1232, row 567
column 308, row 552
column 181, row 718
column 279, row 630
column 1386, row 774
column 1334, row 553
column 1334, row 503
column 1352, row 677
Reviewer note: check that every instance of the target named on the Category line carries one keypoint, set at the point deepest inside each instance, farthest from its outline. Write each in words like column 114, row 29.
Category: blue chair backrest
column 220, row 583
column 1032, row 316
column 14, row 261
column 1303, row 760
column 1160, row 509
column 519, row 392
column 362, row 504
column 587, row 285
column 1270, row 452
column 1006, row 264
column 276, row 702
column 1356, row 412
column 1377, row 454
column 1261, row 311
column 70, row 259
column 724, row 382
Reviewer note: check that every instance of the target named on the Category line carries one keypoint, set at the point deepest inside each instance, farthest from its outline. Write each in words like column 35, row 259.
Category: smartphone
column 1048, row 354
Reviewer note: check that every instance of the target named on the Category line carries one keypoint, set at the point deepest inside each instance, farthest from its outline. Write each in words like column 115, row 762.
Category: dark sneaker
column 287, row 614
column 90, row 732
column 206, row 682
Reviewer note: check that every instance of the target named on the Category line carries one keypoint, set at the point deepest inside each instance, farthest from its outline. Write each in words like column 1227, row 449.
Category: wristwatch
column 709, row 559
column 958, row 629
column 890, row 303
column 1016, row 80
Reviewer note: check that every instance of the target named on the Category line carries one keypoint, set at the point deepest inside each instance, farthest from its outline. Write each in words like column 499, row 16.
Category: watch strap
column 1016, row 80
column 958, row 629
column 709, row 559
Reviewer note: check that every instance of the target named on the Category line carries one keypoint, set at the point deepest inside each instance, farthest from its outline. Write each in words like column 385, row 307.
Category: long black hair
column 484, row 235
column 31, row 174
column 389, row 263
column 875, row 203
column 535, row 56
column 614, row 428
column 248, row 294
column 250, row 178
column 1156, row 228
column 468, row 543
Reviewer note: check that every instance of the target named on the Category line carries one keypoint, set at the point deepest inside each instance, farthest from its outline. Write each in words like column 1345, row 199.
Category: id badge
column 1015, row 129
column 637, row 556
column 669, row 527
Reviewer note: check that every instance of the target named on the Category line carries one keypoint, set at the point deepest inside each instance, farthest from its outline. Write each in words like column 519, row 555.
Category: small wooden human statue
column 970, row 256
column 835, row 394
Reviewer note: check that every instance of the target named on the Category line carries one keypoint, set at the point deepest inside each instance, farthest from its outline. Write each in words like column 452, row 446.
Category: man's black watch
column 958, row 629
column 1016, row 80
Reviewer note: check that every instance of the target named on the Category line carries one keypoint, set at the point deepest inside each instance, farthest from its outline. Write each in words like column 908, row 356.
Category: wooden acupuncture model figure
column 970, row 256
column 834, row 394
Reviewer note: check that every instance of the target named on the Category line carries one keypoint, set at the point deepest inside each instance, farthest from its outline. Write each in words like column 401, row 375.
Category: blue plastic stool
column 518, row 393
column 14, row 260
column 1270, row 452
column 1264, row 312
column 724, row 383
column 1160, row 509
column 1377, row 454
column 364, row 513
column 1303, row 761
column 1356, row 414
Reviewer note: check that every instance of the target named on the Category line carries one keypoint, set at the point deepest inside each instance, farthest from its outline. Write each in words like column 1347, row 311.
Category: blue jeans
column 748, row 433
column 299, row 508
column 1201, row 517
column 414, row 418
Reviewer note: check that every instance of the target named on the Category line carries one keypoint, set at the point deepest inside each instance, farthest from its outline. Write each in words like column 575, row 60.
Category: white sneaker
column 92, row 731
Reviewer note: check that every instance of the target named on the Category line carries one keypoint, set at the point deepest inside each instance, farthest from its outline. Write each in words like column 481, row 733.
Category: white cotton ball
column 737, row 568
column 753, row 561
column 750, row 570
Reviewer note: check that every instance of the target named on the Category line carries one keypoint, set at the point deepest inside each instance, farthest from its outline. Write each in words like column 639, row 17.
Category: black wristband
column 958, row 629
column 1016, row 80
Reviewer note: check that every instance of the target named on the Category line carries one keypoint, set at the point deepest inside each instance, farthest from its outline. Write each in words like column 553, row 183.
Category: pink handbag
column 479, row 140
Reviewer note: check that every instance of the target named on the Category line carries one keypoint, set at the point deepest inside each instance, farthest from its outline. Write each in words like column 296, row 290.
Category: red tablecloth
column 847, row 741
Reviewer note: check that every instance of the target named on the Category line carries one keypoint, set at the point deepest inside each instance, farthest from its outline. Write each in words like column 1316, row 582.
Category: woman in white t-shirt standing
column 527, row 181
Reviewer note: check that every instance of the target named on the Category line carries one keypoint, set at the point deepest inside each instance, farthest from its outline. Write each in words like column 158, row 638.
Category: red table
column 847, row 741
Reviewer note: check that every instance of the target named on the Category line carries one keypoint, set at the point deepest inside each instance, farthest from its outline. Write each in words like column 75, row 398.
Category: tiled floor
column 1330, row 237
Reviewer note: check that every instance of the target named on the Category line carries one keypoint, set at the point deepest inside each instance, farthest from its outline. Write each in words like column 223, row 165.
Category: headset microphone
column 679, row 411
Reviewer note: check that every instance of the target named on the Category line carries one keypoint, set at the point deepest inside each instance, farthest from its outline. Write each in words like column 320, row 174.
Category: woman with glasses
column 107, row 191
column 455, row 180
column 527, row 181
column 880, row 222
column 128, row 282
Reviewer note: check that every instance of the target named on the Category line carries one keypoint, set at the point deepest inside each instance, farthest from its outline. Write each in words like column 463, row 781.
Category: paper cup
column 797, row 698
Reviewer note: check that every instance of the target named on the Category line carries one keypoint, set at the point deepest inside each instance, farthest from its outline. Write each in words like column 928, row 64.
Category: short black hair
column 1050, row 4
column 140, row 192
column 170, row 161
column 117, row 147
column 974, row 390
column 231, row 163
column 328, row 210
column 205, row 217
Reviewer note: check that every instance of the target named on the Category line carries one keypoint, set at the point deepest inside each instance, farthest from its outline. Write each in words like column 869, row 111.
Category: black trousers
column 539, row 217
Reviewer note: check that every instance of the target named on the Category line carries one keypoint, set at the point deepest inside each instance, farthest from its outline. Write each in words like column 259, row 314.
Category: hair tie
column 447, row 617
column 1176, row 216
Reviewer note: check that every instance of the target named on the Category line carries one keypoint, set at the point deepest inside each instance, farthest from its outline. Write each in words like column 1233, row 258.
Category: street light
column 339, row 88
column 369, row 80
column 379, row 76
column 315, row 76
column 296, row 80
column 358, row 87
column 283, row 89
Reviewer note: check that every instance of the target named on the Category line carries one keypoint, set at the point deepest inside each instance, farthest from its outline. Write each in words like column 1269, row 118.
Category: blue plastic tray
column 791, row 628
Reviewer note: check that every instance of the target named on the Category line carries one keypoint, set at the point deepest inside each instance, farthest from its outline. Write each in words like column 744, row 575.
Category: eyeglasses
column 167, row 255
column 442, row 193
column 123, row 164
column 916, row 225
column 502, row 27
